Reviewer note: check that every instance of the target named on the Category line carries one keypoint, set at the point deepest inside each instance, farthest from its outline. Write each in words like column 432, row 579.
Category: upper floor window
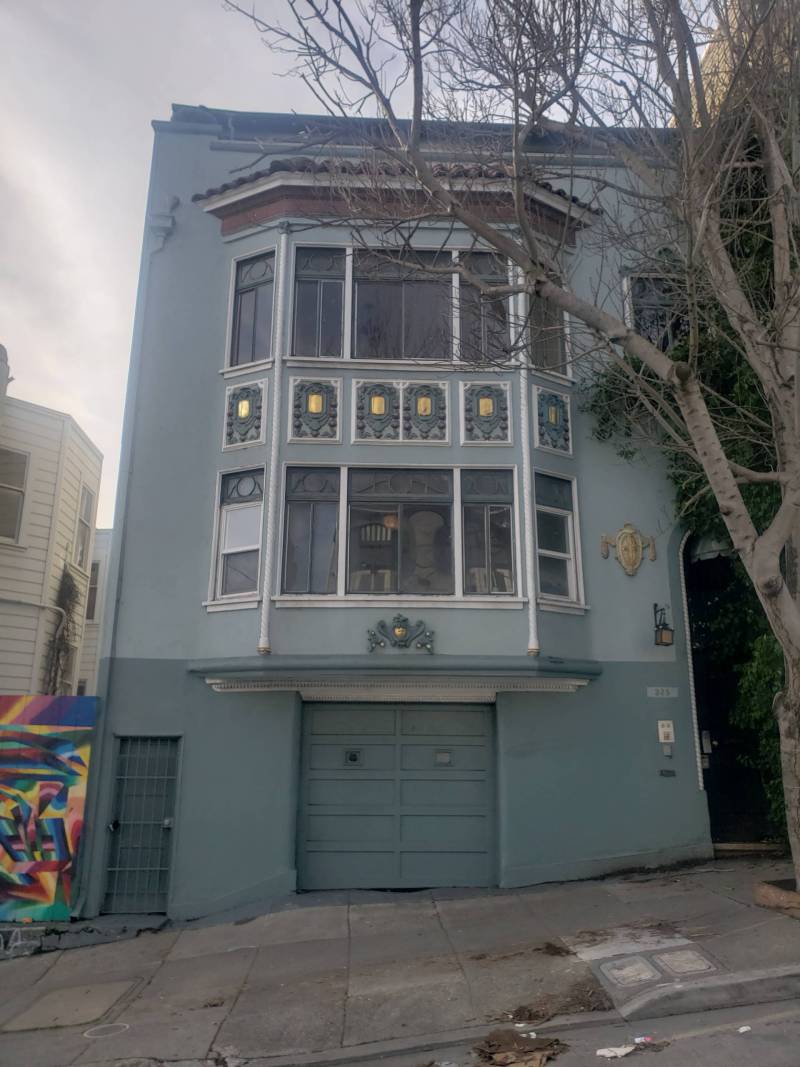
column 91, row 595
column 547, row 337
column 319, row 302
column 13, row 471
column 656, row 310
column 83, row 536
column 400, row 311
column 239, row 533
column 555, row 535
column 310, row 557
column 252, row 310
column 487, row 498
column 483, row 327
column 400, row 531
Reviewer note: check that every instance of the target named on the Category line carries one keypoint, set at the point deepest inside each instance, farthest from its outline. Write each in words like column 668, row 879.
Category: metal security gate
column 396, row 796
column 137, row 878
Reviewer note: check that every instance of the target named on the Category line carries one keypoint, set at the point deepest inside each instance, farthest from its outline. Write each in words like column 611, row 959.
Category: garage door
column 396, row 796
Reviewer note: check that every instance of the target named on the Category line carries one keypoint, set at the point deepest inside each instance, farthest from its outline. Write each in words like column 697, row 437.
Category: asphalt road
column 707, row 1039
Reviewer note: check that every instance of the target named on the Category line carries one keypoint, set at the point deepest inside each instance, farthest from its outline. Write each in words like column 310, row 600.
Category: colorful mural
column 45, row 743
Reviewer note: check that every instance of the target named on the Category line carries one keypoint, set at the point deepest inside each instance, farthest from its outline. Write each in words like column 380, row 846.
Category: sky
column 81, row 81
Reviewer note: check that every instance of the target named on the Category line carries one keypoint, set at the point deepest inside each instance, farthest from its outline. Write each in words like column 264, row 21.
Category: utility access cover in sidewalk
column 72, row 1006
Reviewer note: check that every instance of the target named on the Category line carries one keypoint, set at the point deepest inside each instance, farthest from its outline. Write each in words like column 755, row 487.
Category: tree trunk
column 787, row 712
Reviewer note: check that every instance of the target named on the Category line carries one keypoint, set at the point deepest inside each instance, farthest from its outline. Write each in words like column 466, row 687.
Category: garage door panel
column 446, row 721
column 350, row 870
column 446, row 832
column 351, row 793
column 326, row 757
column 352, row 830
column 441, row 794
column 443, row 757
column 351, row 719
column 452, row 869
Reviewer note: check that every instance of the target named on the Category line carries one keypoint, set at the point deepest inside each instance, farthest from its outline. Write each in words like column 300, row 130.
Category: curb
column 738, row 989
column 425, row 1042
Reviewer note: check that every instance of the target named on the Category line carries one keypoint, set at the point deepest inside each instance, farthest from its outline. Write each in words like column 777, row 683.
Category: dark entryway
column 737, row 802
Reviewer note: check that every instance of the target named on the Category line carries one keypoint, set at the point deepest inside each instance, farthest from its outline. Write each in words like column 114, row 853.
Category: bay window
column 252, row 310
column 83, row 534
column 547, row 337
column 484, row 329
column 555, row 536
column 319, row 302
column 311, row 530
column 239, row 533
column 13, row 471
column 401, row 312
column 487, row 498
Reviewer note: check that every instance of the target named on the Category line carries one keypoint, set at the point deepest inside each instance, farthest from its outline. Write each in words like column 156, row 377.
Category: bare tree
column 684, row 112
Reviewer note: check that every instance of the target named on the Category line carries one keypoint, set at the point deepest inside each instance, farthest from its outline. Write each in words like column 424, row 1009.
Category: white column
column 278, row 345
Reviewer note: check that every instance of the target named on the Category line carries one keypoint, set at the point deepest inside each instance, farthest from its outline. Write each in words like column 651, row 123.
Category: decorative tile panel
column 315, row 409
column 485, row 413
column 425, row 411
column 244, row 415
column 377, row 411
column 552, row 421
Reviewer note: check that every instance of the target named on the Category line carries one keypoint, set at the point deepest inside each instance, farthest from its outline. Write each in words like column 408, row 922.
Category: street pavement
column 347, row 977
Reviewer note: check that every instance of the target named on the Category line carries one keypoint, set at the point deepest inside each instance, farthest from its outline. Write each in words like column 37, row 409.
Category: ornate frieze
column 629, row 546
column 553, row 429
column 377, row 411
column 424, row 411
column 485, row 412
column 315, row 409
column 401, row 634
column 244, row 415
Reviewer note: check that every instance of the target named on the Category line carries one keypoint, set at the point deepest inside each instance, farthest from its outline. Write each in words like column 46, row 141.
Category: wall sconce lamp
column 314, row 403
column 664, row 634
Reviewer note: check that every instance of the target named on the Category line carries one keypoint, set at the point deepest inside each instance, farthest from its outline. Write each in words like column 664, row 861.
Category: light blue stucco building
column 370, row 630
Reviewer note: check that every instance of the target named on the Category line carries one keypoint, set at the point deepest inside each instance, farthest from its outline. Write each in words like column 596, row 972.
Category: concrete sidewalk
column 341, row 977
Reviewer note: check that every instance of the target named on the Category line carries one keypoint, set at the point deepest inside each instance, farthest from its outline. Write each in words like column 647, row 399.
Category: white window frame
column 573, row 558
column 89, row 524
column 93, row 617
column 347, row 299
column 229, row 369
column 17, row 541
column 457, row 599
column 216, row 601
column 564, row 377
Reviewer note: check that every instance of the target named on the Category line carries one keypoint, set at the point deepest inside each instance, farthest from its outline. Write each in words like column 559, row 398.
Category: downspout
column 278, row 341
column 689, row 660
column 529, row 516
column 62, row 622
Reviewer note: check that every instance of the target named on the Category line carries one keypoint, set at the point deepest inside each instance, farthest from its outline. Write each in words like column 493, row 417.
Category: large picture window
column 402, row 312
column 252, row 310
column 555, row 534
column 311, row 530
column 13, row 470
column 319, row 302
column 487, row 499
column 400, row 532
column 239, row 536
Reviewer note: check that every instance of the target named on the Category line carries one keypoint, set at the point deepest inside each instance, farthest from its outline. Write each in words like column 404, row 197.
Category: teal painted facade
column 578, row 771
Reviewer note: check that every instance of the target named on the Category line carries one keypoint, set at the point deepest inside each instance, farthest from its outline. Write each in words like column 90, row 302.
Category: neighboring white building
column 49, row 483
column 95, row 600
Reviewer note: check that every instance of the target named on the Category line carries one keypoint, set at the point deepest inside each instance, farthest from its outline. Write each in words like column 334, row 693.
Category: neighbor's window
column 311, row 530
column 400, row 311
column 239, row 538
column 13, row 469
column 484, row 329
column 80, row 689
column 318, row 302
column 84, row 533
column 547, row 336
column 91, row 595
column 555, row 535
column 400, row 532
column 656, row 310
column 487, row 499
column 252, row 310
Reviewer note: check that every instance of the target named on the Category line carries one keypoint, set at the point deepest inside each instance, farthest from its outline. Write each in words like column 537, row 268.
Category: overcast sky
column 80, row 82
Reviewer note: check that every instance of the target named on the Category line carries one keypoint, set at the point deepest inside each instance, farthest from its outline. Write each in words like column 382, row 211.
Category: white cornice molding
column 437, row 691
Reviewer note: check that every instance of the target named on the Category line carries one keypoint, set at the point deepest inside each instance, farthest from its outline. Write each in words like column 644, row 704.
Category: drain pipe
column 62, row 621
